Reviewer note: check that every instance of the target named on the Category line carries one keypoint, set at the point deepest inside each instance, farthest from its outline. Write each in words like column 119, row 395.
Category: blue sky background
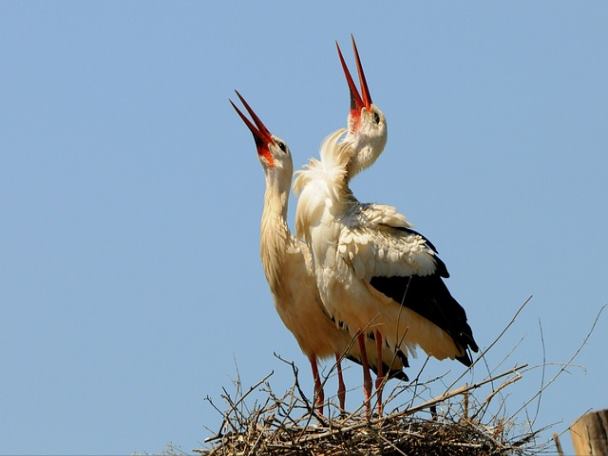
column 130, row 195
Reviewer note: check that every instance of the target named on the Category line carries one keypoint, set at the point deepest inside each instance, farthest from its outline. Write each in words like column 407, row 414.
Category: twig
column 568, row 363
column 311, row 409
column 232, row 408
column 542, row 377
column 417, row 379
column 482, row 354
column 462, row 389
column 218, row 435
column 488, row 399
column 388, row 442
column 508, row 355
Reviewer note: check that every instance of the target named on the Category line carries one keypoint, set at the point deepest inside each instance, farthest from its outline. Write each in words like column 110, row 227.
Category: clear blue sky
column 130, row 194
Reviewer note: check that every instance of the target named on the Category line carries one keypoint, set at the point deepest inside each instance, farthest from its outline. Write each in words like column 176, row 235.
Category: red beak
column 367, row 98
column 261, row 134
column 357, row 102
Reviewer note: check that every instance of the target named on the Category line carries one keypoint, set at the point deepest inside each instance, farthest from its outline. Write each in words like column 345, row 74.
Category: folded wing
column 403, row 265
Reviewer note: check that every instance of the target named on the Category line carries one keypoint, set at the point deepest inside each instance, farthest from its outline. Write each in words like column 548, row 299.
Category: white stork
column 376, row 276
column 288, row 268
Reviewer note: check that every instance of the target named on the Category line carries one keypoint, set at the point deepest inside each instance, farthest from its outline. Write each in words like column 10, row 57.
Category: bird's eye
column 376, row 118
column 282, row 146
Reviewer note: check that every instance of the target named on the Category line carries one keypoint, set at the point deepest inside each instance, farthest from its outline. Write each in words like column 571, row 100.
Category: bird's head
column 367, row 129
column 273, row 152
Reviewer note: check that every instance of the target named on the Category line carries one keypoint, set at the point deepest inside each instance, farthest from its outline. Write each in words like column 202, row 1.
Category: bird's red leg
column 367, row 380
column 380, row 373
column 341, row 386
column 319, row 395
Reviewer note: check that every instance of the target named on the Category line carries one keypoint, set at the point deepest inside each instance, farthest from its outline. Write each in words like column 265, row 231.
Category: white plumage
column 288, row 268
column 353, row 243
column 373, row 272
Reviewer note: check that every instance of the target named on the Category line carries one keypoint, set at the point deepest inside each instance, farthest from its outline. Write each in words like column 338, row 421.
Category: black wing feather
column 429, row 297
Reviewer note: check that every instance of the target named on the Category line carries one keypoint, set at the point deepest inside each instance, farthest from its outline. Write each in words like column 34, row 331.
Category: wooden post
column 590, row 434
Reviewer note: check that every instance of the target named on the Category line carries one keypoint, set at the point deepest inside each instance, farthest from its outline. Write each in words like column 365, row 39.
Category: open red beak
column 357, row 101
column 367, row 98
column 261, row 134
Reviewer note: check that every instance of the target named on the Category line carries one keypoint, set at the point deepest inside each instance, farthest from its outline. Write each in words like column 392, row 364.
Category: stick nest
column 454, row 423
column 396, row 436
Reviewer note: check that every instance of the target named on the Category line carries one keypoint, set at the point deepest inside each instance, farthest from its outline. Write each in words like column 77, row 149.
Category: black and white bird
column 376, row 275
column 287, row 266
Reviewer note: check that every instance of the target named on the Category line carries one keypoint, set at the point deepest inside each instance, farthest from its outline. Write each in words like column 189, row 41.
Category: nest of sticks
column 454, row 423
column 463, row 420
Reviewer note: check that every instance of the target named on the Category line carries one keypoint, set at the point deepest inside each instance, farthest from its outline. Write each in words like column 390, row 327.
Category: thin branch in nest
column 466, row 388
column 542, row 377
column 309, row 407
column 568, row 363
column 219, row 432
column 494, row 342
column 510, row 353
column 486, row 403
column 226, row 415
column 416, row 380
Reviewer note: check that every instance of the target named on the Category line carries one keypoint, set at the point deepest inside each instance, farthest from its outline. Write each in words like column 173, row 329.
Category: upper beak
column 357, row 101
column 367, row 98
column 261, row 134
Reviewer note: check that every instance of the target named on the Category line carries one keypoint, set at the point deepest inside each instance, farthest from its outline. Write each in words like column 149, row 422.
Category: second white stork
column 288, row 269
column 375, row 275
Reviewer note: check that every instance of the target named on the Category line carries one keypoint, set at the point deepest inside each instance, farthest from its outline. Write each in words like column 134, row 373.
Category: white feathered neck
column 275, row 237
